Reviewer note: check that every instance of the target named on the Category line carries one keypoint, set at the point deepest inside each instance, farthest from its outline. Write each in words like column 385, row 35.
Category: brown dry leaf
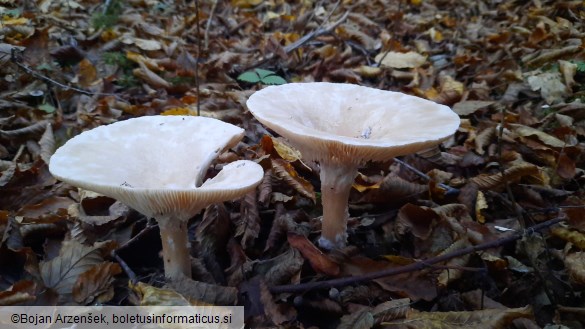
column 393, row 189
column 249, row 224
column 320, row 262
column 549, row 140
column 201, row 293
column 400, row 60
column 391, row 310
column 465, row 108
column 453, row 272
column 278, row 313
column 283, row 268
column 575, row 237
column 517, row 171
column 87, row 74
column 153, row 79
column 47, row 144
column 575, row 217
column 20, row 292
column 360, row 319
column 416, row 220
column 35, row 129
column 95, row 282
column 61, row 272
column 149, row 62
column 483, row 139
column 566, row 166
column 286, row 172
column 415, row 285
column 49, row 210
column 482, row 319
column 265, row 188
column 575, row 263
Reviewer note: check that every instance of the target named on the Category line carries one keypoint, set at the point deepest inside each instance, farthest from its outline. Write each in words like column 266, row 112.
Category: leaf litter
column 513, row 70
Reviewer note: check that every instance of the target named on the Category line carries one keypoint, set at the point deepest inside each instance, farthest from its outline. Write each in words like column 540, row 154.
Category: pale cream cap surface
column 155, row 164
column 350, row 123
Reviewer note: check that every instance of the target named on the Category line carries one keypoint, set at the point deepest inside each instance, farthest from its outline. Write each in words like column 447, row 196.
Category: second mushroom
column 156, row 165
column 342, row 126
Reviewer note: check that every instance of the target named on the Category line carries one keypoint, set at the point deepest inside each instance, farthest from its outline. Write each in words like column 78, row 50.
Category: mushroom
column 156, row 164
column 342, row 126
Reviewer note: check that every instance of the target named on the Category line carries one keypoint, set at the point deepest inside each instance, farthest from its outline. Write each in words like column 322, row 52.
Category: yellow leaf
column 151, row 296
column 245, row 3
column 480, row 204
column 435, row 35
column 575, row 237
column 286, row 151
column 179, row 111
column 13, row 21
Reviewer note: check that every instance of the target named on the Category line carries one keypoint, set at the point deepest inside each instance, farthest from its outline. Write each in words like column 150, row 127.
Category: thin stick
column 420, row 265
column 301, row 41
column 198, row 57
column 425, row 176
column 131, row 275
column 14, row 58
column 208, row 24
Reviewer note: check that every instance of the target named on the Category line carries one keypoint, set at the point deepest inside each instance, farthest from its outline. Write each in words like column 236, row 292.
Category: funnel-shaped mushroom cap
column 351, row 123
column 155, row 164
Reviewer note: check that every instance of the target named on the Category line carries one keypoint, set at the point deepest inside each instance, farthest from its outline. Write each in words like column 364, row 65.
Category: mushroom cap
column 346, row 123
column 155, row 164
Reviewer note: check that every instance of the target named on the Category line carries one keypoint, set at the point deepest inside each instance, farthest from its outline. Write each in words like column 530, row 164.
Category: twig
column 197, row 87
column 14, row 58
column 420, row 265
column 306, row 38
column 131, row 275
column 450, row 190
column 208, row 24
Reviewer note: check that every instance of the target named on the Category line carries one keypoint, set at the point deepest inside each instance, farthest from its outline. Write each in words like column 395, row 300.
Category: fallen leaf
column 320, row 262
column 400, row 60
column 95, row 282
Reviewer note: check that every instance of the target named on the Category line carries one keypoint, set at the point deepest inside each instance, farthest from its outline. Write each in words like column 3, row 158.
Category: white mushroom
column 342, row 126
column 155, row 164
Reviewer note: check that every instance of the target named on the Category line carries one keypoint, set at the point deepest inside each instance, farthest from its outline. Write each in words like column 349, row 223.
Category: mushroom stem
column 175, row 247
column 336, row 181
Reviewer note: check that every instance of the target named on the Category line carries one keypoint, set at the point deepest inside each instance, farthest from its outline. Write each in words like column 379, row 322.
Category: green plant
column 109, row 17
column 263, row 76
column 117, row 58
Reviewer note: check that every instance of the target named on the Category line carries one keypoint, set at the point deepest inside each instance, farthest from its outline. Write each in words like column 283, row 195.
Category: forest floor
column 485, row 231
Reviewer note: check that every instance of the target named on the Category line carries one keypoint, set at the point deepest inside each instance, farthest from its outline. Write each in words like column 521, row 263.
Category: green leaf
column 273, row 80
column 581, row 67
column 47, row 108
column 264, row 73
column 249, row 76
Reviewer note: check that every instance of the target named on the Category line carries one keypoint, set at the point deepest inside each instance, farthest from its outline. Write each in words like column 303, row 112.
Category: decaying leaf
column 575, row 237
column 320, row 262
column 400, row 60
column 278, row 313
column 286, row 172
column 62, row 272
column 20, row 292
column 362, row 319
column 575, row 263
column 249, row 224
column 482, row 319
column 96, row 282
